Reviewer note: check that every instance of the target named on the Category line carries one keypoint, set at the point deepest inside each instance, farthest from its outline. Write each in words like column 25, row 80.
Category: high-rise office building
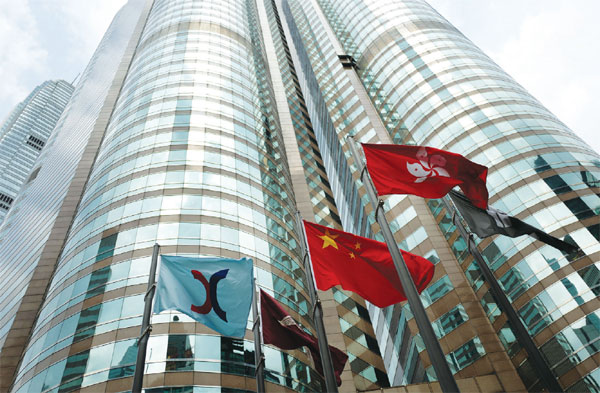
column 24, row 133
column 205, row 125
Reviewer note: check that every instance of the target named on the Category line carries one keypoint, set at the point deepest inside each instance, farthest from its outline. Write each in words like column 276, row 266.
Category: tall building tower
column 398, row 72
column 205, row 125
column 24, row 133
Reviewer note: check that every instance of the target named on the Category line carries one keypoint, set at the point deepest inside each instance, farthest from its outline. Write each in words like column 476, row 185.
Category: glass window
column 54, row 374
column 466, row 354
column 450, row 321
column 98, row 358
column 75, row 368
column 436, row 290
column 508, row 339
column 591, row 383
column 106, row 247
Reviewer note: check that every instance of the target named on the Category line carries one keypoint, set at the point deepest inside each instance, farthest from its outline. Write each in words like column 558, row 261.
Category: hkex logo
column 211, row 302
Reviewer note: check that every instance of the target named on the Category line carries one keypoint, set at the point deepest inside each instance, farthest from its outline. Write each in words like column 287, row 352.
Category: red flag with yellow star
column 361, row 265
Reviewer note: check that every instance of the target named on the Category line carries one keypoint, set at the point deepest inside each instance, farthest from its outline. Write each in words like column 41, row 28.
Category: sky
column 551, row 47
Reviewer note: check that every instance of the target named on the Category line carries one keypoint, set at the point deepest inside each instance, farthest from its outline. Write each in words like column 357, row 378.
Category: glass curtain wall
column 33, row 232
column 432, row 86
column 24, row 133
column 192, row 159
column 364, row 357
column 336, row 112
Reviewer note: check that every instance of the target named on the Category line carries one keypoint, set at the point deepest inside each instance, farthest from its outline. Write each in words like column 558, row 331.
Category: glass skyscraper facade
column 398, row 72
column 206, row 125
column 24, row 133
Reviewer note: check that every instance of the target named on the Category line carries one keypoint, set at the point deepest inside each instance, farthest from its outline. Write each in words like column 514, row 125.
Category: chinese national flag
column 280, row 329
column 424, row 171
column 361, row 265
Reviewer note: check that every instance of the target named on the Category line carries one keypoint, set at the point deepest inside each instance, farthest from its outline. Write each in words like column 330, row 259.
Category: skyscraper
column 24, row 133
column 205, row 125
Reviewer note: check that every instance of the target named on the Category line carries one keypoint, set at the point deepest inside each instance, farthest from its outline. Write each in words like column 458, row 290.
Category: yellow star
column 328, row 240
column 352, row 255
column 357, row 246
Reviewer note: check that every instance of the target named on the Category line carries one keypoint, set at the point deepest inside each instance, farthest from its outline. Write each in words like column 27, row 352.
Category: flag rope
column 259, row 367
column 151, row 289
column 379, row 206
column 362, row 172
column 146, row 331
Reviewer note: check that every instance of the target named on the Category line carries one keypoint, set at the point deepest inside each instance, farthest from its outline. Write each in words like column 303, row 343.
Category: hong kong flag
column 425, row 171
column 361, row 265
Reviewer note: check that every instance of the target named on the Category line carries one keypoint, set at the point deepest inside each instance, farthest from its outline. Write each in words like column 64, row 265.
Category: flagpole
column 142, row 343
column 521, row 333
column 436, row 355
column 259, row 359
column 326, row 361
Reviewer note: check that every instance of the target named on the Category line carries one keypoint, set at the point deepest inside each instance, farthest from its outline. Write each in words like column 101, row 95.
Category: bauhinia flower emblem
column 287, row 321
column 427, row 166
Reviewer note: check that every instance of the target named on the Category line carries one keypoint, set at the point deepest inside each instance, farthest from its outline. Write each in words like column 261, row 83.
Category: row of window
column 82, row 250
column 350, row 118
column 200, row 353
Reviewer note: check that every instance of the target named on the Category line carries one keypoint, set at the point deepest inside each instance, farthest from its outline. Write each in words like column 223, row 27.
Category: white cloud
column 41, row 40
column 550, row 47
column 555, row 57
column 85, row 22
column 22, row 56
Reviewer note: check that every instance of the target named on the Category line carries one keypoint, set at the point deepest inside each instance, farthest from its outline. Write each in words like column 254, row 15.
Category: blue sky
column 551, row 47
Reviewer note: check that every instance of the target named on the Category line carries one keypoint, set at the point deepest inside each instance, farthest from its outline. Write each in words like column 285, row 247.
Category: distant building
column 24, row 133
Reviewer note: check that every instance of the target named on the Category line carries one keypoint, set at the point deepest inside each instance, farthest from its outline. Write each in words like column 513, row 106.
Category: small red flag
column 361, row 265
column 424, row 171
column 280, row 329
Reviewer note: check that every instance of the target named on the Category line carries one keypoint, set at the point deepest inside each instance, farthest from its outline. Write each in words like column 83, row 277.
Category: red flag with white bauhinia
column 424, row 171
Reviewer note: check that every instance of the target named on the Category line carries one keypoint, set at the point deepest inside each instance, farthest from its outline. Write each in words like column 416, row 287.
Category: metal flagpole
column 436, row 355
column 259, row 358
column 521, row 333
column 138, row 376
column 330, row 382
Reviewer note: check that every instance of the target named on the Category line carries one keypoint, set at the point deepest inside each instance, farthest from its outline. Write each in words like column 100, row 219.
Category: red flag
column 424, row 171
column 361, row 265
column 280, row 329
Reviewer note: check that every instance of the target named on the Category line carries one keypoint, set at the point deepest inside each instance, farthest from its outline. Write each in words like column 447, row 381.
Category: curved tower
column 192, row 157
column 204, row 125
column 398, row 72
column 33, row 234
